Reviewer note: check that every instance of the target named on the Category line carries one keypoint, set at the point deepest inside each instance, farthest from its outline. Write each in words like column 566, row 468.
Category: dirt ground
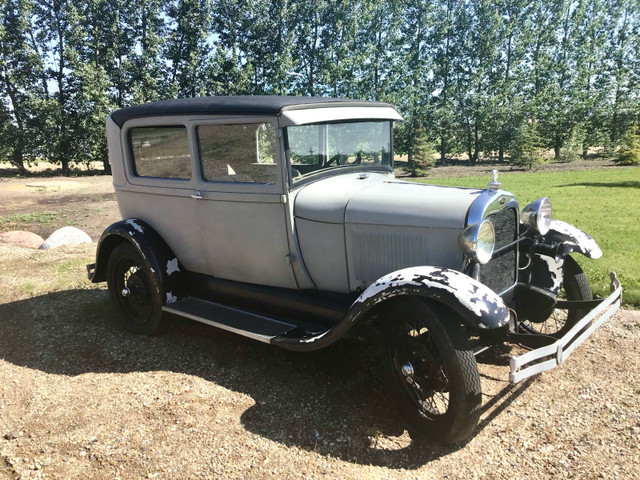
column 81, row 398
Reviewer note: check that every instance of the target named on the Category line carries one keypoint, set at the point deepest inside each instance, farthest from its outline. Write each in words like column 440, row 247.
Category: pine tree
column 527, row 150
column 629, row 152
column 422, row 153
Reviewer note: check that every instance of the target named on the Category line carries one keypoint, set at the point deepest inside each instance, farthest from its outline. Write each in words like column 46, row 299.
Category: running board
column 248, row 324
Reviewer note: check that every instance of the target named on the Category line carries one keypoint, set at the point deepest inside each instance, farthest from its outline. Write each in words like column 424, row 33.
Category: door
column 240, row 203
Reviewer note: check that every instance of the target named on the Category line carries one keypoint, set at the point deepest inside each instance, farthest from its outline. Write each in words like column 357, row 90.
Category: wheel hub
column 407, row 370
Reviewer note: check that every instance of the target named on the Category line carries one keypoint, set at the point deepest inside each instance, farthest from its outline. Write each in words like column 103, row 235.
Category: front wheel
column 575, row 286
column 432, row 371
column 134, row 290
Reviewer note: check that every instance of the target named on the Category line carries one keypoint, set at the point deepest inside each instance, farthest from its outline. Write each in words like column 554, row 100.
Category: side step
column 248, row 324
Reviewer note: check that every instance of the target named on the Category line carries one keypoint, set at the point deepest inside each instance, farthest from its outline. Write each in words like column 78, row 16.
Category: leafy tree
column 19, row 68
column 187, row 48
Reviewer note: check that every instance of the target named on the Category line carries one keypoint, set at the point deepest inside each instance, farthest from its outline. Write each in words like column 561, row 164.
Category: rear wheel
column 575, row 286
column 134, row 290
column 432, row 371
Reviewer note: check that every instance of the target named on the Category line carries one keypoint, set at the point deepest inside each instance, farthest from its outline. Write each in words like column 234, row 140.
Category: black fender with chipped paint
column 478, row 305
column 546, row 271
column 158, row 256
column 574, row 239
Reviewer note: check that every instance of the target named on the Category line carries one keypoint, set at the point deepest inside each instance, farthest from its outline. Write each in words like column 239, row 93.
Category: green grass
column 604, row 203
column 45, row 216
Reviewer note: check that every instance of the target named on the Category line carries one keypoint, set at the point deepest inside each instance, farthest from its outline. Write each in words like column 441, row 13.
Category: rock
column 22, row 239
column 11, row 436
column 65, row 236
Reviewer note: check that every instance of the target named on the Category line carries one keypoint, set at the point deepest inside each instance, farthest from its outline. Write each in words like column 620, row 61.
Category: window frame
column 322, row 173
column 247, row 121
column 237, row 187
column 133, row 155
column 169, row 184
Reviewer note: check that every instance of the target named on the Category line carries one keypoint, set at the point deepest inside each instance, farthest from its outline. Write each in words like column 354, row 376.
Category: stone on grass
column 65, row 236
column 21, row 238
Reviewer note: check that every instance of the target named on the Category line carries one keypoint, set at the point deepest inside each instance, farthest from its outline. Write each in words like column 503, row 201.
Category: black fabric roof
column 241, row 105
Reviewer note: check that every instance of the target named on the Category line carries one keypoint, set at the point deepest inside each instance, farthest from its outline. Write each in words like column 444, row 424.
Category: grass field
column 604, row 203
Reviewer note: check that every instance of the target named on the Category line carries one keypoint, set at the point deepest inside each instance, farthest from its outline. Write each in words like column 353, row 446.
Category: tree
column 422, row 153
column 629, row 153
column 187, row 47
column 19, row 68
column 527, row 149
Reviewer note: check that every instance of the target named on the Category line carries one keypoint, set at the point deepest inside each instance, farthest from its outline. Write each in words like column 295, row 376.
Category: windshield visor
column 349, row 145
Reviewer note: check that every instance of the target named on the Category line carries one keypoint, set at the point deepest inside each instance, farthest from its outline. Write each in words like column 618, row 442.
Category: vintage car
column 279, row 218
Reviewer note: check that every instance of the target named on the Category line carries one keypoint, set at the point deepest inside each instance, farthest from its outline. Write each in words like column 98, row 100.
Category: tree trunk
column 17, row 156
column 501, row 153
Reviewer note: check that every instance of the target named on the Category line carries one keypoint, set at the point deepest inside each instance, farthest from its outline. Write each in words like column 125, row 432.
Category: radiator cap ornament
column 494, row 184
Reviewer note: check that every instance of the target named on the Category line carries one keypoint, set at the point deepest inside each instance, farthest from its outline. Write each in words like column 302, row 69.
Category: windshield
column 318, row 147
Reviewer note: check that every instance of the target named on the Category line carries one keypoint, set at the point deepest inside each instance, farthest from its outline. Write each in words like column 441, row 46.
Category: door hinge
column 283, row 198
column 291, row 258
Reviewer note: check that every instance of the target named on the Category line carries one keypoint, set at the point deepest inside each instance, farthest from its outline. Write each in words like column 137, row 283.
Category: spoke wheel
column 575, row 287
column 134, row 290
column 432, row 372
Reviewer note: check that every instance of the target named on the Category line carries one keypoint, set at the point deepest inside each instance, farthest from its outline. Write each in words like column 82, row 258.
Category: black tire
column 575, row 286
column 431, row 371
column 135, row 292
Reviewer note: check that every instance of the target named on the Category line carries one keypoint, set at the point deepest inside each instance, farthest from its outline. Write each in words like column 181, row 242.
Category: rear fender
column 159, row 258
column 478, row 305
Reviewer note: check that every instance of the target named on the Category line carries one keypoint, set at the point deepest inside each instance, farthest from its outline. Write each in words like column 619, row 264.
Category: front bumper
column 550, row 356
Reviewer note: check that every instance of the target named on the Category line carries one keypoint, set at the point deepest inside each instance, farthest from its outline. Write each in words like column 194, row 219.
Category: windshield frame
column 337, row 170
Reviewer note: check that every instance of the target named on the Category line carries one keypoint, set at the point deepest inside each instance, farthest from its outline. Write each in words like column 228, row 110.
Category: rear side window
column 161, row 152
column 238, row 152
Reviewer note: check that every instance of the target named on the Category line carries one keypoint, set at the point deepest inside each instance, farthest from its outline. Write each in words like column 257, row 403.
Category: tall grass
column 604, row 203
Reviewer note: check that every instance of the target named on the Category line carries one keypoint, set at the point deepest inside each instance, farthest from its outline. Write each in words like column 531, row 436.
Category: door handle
column 197, row 195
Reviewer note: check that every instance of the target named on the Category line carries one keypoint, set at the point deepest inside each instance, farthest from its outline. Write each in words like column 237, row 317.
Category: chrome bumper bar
column 550, row 356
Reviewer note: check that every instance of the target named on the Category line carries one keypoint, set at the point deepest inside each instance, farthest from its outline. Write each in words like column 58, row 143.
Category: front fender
column 157, row 255
column 478, row 305
column 574, row 239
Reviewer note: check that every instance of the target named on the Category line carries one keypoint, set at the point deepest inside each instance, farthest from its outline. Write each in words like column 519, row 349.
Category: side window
column 238, row 152
column 161, row 152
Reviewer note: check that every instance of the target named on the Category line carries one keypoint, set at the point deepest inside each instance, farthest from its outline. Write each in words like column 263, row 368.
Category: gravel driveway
column 80, row 398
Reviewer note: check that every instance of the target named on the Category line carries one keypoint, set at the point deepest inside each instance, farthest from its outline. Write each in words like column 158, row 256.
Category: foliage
column 611, row 218
column 570, row 64
column 629, row 153
column 421, row 154
column 574, row 146
column 527, row 150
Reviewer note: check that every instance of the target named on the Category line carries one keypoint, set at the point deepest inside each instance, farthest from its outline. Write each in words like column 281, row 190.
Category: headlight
column 478, row 241
column 537, row 215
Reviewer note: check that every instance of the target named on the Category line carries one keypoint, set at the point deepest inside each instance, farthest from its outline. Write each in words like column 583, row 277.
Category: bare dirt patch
column 87, row 203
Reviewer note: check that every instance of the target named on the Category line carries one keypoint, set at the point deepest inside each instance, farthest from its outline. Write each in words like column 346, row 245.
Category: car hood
column 379, row 199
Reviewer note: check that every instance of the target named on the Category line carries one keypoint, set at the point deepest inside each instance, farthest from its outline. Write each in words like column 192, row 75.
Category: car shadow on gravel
column 331, row 402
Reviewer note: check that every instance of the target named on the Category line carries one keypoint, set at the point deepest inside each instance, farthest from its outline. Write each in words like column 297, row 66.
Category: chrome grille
column 502, row 271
